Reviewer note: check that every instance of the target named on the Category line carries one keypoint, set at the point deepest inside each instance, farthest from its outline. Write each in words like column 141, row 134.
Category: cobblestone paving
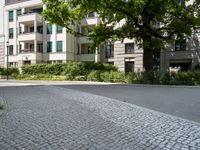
column 50, row 117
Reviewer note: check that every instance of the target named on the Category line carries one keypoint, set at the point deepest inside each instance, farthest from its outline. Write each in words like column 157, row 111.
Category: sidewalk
column 41, row 82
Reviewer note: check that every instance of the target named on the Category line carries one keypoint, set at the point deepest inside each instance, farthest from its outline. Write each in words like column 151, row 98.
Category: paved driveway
column 179, row 101
column 55, row 117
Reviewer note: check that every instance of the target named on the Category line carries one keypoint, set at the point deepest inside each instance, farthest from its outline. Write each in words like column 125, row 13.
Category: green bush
column 52, row 69
column 197, row 67
column 94, row 76
column 11, row 71
column 116, row 76
column 130, row 77
column 196, row 77
column 75, row 69
column 90, row 66
column 165, row 78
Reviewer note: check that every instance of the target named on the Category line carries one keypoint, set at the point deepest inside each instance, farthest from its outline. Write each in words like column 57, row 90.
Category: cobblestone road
column 50, row 117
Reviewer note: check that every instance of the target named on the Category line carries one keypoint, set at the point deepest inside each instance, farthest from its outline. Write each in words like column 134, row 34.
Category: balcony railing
column 26, row 51
column 30, row 32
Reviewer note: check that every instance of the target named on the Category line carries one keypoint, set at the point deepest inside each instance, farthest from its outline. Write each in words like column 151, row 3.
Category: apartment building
column 32, row 40
column 1, row 34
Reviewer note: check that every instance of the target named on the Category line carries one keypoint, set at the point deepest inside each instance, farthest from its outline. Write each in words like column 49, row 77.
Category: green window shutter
column 59, row 29
column 49, row 47
column 19, row 12
column 49, row 28
column 10, row 16
column 59, row 46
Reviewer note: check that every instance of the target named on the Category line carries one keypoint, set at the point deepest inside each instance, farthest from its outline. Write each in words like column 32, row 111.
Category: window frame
column 59, row 29
column 19, row 10
column 11, row 47
column 11, row 34
column 11, row 16
column 127, row 51
column 180, row 45
column 57, row 46
column 49, row 28
column 49, row 45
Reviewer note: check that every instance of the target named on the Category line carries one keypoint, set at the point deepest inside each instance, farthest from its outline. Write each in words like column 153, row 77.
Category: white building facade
column 32, row 40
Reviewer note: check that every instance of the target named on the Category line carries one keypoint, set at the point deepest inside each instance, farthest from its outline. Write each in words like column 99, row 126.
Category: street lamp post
column 7, row 60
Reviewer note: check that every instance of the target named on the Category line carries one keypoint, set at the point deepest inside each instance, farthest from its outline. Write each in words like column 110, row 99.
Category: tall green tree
column 152, row 23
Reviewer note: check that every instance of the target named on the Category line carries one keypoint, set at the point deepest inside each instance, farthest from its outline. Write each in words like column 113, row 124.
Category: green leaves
column 128, row 18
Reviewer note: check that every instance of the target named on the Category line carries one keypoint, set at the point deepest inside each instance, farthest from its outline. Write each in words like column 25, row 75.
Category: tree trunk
column 148, row 59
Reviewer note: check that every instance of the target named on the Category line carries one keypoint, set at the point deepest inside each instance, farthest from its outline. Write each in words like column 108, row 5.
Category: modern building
column 32, row 40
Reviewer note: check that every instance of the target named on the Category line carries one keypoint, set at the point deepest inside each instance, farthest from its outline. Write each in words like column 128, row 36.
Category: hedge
column 11, row 71
column 70, row 68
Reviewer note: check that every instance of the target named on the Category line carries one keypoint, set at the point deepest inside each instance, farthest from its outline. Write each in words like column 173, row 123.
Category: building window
column 10, row 33
column 109, row 50
column 59, row 29
column 10, row 16
column 10, row 50
column 59, row 46
column 49, row 47
column 180, row 45
column 129, row 48
column 20, row 30
column 19, row 12
column 49, row 28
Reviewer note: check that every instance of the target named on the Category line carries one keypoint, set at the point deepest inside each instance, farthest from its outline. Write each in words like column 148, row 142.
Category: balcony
column 86, row 57
column 84, row 39
column 28, row 17
column 30, row 36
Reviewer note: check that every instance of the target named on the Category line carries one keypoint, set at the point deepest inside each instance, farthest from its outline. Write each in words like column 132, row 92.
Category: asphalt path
column 179, row 101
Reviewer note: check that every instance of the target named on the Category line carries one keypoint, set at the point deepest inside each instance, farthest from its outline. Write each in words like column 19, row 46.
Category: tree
column 153, row 23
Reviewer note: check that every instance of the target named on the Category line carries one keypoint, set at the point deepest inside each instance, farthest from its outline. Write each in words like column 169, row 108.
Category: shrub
column 197, row 67
column 196, row 77
column 100, row 66
column 34, row 69
column 165, row 78
column 11, row 71
column 116, row 76
column 94, row 76
column 75, row 69
column 130, row 77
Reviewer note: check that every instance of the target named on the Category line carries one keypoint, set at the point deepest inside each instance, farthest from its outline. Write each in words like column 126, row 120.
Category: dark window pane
column 59, row 29
column 49, row 47
column 10, row 33
column 49, row 28
column 10, row 16
column 129, row 48
column 19, row 12
column 59, row 46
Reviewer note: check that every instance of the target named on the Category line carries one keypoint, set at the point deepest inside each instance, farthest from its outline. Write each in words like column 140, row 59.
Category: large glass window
column 11, row 33
column 129, row 48
column 180, row 45
column 59, row 46
column 59, row 29
column 10, row 16
column 49, row 28
column 49, row 47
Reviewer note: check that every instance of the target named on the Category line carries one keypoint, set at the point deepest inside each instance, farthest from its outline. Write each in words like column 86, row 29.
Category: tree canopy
column 152, row 23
